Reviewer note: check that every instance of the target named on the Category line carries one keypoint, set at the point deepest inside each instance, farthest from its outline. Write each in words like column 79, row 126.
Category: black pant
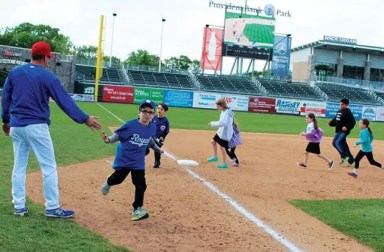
column 369, row 155
column 231, row 154
column 138, row 180
column 157, row 157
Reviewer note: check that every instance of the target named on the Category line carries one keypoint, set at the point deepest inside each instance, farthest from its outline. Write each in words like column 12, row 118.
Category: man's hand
column 6, row 129
column 93, row 123
column 105, row 137
column 344, row 128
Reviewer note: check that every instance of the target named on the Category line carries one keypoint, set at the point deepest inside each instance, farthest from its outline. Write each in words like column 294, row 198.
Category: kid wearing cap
column 134, row 136
column 162, row 129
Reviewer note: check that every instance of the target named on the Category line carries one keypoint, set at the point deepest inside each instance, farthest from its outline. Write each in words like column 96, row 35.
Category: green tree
column 180, row 63
column 85, row 52
column 26, row 34
column 142, row 57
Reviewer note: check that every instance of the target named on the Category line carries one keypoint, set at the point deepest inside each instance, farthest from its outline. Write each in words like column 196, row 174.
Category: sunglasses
column 147, row 112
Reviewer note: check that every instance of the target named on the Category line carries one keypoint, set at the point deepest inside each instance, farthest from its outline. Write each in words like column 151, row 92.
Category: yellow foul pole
column 99, row 62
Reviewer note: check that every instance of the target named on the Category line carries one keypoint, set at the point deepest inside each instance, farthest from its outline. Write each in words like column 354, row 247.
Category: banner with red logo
column 212, row 48
column 119, row 94
column 261, row 104
column 316, row 107
column 236, row 102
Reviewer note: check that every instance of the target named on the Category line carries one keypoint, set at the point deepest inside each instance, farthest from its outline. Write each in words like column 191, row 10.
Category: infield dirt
column 185, row 215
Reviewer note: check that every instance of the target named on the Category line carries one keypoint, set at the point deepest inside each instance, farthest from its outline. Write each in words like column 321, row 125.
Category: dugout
column 335, row 58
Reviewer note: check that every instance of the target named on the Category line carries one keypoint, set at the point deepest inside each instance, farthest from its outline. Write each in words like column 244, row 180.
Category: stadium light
column 113, row 28
column 161, row 42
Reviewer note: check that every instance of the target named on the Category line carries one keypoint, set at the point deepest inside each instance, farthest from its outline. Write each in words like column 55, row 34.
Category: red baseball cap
column 42, row 48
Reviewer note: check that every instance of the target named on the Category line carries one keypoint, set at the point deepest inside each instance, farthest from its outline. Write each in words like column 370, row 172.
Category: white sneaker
column 105, row 188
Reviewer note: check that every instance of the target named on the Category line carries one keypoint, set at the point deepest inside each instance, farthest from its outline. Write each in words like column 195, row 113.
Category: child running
column 134, row 137
column 314, row 135
column 233, row 143
column 162, row 129
column 366, row 138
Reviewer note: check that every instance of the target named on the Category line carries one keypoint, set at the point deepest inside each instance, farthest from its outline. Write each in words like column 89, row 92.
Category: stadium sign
column 340, row 40
column 268, row 10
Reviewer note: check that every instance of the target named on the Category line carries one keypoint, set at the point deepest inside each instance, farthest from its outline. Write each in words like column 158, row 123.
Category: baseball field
column 266, row 204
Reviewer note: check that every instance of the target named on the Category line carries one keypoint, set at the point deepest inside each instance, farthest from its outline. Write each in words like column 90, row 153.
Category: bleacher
column 277, row 88
column 160, row 80
column 355, row 95
column 230, row 84
column 87, row 74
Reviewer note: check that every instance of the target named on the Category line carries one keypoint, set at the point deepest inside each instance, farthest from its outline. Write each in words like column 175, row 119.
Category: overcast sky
column 138, row 22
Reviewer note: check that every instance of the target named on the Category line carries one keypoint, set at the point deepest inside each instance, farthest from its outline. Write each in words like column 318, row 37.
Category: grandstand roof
column 344, row 47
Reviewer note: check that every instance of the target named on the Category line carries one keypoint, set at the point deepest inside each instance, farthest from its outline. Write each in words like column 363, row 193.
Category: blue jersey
column 162, row 126
column 26, row 94
column 134, row 138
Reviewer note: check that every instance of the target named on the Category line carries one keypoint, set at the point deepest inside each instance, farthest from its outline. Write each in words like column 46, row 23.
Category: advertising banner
column 315, row 107
column 178, row 98
column 281, row 56
column 236, row 102
column 285, row 106
column 119, row 94
column 205, row 100
column 212, row 48
column 333, row 107
column 369, row 113
column 261, row 104
column 380, row 114
column 155, row 95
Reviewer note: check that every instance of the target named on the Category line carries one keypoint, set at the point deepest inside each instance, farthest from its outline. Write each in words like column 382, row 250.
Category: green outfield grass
column 76, row 143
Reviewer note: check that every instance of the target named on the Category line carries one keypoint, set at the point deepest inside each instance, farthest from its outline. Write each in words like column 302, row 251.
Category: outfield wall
column 237, row 102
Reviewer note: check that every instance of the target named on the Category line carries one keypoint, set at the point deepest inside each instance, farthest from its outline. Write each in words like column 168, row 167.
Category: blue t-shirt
column 162, row 126
column 26, row 94
column 134, row 138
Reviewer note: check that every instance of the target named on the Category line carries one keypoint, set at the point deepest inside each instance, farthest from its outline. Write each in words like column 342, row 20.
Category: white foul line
column 259, row 223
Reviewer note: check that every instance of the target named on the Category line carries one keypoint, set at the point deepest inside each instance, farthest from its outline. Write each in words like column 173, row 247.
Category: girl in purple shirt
column 314, row 135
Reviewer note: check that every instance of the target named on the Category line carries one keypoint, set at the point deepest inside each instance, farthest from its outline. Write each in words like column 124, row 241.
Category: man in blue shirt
column 135, row 137
column 25, row 114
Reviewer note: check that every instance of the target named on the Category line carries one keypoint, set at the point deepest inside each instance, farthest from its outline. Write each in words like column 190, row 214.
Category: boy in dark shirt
column 343, row 123
column 162, row 129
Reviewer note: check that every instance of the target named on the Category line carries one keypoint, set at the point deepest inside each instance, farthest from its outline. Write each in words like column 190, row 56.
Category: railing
column 369, row 85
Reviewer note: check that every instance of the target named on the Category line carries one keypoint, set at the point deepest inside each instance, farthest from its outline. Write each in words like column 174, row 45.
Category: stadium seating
column 87, row 74
column 355, row 95
column 230, row 84
column 277, row 88
column 160, row 80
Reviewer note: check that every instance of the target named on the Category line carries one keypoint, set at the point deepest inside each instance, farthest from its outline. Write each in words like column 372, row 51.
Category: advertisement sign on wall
column 118, row 94
column 236, row 102
column 369, row 113
column 380, row 114
column 155, row 95
column 333, row 107
column 285, row 106
column 261, row 104
column 315, row 107
column 178, row 98
column 205, row 100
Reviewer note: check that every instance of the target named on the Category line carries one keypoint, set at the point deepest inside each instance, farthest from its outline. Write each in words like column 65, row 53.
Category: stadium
column 266, row 204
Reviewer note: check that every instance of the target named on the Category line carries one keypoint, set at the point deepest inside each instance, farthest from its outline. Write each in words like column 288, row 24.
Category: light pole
column 113, row 28
column 161, row 42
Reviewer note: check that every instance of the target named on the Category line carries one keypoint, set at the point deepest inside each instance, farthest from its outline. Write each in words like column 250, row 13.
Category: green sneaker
column 224, row 165
column 139, row 214
column 213, row 159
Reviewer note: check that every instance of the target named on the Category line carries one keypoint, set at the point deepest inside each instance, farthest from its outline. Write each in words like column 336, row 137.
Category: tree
column 182, row 63
column 142, row 57
column 85, row 52
column 26, row 34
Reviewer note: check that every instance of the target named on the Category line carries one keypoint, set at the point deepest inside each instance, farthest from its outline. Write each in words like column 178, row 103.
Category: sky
column 138, row 22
